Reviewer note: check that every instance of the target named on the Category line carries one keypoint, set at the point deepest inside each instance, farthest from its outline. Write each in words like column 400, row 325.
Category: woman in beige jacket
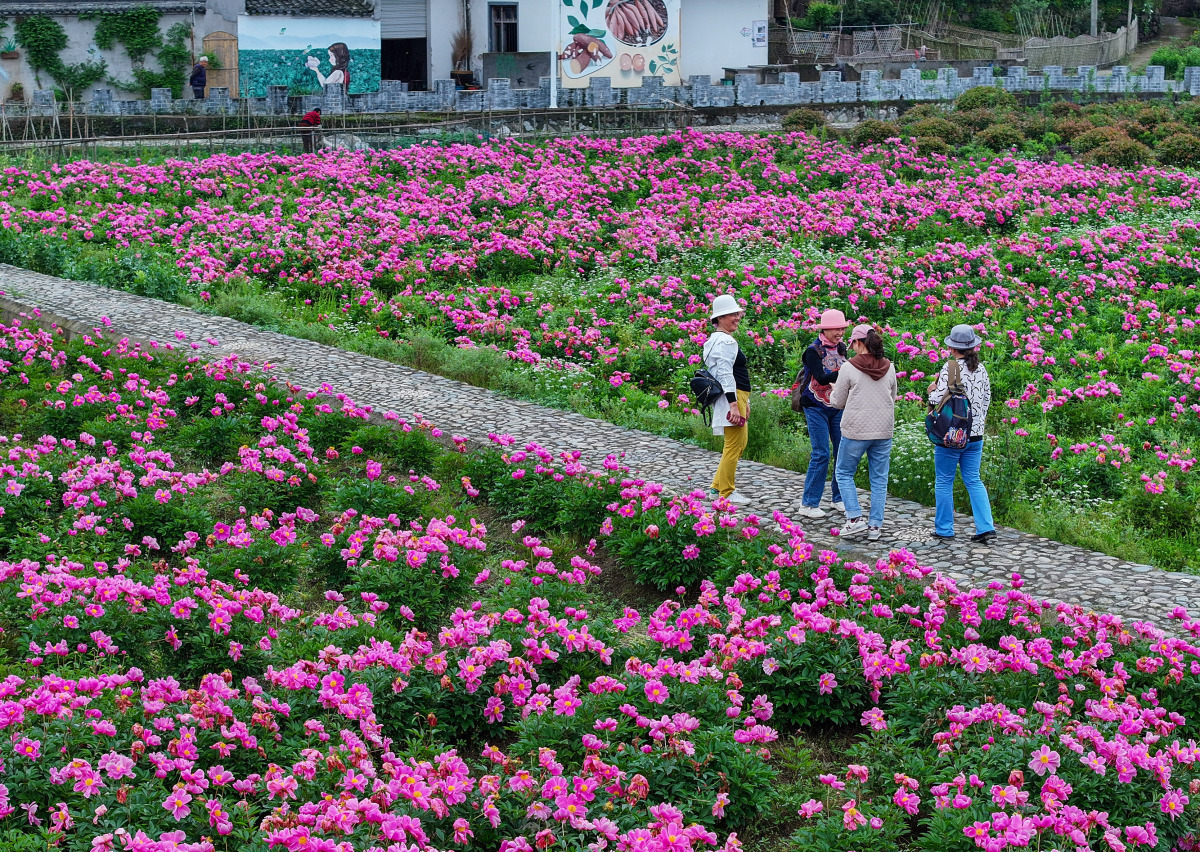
column 867, row 391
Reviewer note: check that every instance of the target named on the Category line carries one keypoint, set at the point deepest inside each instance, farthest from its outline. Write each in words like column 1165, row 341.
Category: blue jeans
column 946, row 463
column 879, row 461
column 824, row 429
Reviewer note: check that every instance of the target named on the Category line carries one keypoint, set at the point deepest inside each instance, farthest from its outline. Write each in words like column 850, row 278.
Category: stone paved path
column 1051, row 570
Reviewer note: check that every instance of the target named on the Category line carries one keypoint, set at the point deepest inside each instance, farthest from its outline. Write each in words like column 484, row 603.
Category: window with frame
column 504, row 27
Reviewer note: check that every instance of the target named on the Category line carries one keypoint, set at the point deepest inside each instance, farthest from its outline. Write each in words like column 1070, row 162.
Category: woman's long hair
column 341, row 57
column 970, row 358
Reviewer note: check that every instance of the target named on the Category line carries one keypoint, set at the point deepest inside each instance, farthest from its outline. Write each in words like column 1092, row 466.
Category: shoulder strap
column 954, row 382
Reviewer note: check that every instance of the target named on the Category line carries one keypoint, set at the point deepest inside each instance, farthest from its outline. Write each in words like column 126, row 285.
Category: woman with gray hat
column 964, row 346
column 727, row 363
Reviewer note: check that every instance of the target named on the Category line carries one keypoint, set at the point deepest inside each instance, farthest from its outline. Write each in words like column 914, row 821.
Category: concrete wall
column 711, row 37
column 698, row 92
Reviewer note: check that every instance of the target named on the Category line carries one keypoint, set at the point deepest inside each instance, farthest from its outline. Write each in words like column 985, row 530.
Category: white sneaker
column 810, row 512
column 853, row 528
column 873, row 533
column 839, row 505
column 738, row 497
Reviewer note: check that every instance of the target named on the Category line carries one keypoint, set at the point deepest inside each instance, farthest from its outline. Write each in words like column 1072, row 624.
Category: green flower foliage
column 137, row 29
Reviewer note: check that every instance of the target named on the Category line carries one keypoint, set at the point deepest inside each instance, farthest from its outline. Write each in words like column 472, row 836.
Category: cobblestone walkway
column 1051, row 570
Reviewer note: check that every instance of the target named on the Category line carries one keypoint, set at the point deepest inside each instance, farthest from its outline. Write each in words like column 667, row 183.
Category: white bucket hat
column 725, row 304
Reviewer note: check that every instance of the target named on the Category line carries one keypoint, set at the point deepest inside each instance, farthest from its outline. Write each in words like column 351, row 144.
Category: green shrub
column 1169, row 128
column 974, row 120
column 1173, row 60
column 927, row 145
column 804, row 119
column 992, row 97
column 1180, row 149
column 1000, row 137
column 1069, row 128
column 250, row 309
column 656, row 552
column 1122, row 153
column 937, row 128
column 1152, row 115
column 921, row 112
column 1092, row 139
column 1064, row 109
column 873, row 131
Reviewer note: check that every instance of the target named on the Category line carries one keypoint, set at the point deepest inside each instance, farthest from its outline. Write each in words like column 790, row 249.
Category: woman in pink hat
column 822, row 360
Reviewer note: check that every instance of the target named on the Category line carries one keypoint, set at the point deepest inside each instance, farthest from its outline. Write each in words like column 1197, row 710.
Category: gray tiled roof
column 12, row 8
column 317, row 8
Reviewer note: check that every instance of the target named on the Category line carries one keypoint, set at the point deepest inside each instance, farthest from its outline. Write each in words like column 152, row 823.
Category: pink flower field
column 577, row 273
column 241, row 616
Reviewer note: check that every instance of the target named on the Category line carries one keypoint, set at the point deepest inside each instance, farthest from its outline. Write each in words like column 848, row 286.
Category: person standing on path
column 866, row 390
column 727, row 364
column 822, row 360
column 199, row 78
column 964, row 346
column 308, row 130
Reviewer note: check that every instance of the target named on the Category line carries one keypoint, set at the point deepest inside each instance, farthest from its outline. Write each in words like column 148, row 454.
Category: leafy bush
column 1179, row 149
column 938, row 128
column 990, row 97
column 804, row 119
column 1122, row 153
column 1069, row 128
column 975, row 119
column 923, row 111
column 1000, row 137
column 1064, row 109
column 873, row 132
column 927, row 145
column 1092, row 139
column 1174, row 60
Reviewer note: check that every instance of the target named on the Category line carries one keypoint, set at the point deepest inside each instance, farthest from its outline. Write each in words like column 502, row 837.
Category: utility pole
column 555, row 25
column 1095, row 17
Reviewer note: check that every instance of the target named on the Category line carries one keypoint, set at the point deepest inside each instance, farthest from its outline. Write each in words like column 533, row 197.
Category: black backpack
column 707, row 390
column 949, row 423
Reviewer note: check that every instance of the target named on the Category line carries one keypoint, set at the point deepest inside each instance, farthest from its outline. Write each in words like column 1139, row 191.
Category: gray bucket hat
column 963, row 337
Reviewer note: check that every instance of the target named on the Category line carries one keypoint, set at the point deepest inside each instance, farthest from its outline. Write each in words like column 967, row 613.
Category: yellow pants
column 735, row 445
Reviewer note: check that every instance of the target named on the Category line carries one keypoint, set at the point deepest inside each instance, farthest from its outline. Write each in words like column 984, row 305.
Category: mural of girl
column 339, row 58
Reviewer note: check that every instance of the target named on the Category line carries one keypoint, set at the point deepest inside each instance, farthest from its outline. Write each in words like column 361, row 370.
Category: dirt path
column 1172, row 33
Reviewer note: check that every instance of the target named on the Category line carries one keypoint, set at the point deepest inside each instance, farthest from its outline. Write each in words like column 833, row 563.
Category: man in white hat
column 199, row 79
column 727, row 363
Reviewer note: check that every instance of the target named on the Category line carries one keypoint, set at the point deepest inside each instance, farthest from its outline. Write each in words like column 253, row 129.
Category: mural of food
column 636, row 22
column 584, row 50
column 619, row 40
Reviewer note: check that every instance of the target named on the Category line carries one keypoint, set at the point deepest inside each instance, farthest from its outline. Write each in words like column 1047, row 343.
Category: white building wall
column 711, row 33
column 445, row 17
column 718, row 34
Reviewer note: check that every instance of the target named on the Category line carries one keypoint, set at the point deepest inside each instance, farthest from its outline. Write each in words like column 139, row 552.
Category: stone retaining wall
column 698, row 92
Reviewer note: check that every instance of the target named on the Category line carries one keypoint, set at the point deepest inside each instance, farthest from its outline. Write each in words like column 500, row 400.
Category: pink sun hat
column 832, row 319
column 860, row 332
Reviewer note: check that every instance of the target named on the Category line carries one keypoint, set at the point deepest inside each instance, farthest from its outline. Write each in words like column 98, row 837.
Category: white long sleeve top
column 719, row 353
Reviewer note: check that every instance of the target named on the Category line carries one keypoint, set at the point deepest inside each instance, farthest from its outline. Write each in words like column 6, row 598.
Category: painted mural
column 307, row 54
column 623, row 40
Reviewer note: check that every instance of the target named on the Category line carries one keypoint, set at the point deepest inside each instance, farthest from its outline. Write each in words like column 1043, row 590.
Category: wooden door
column 222, row 47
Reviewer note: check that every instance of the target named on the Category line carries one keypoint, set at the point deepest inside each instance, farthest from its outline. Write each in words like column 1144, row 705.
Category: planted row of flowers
column 238, row 614
column 578, row 272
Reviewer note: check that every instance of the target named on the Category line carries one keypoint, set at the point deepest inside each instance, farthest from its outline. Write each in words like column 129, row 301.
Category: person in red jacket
column 308, row 130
